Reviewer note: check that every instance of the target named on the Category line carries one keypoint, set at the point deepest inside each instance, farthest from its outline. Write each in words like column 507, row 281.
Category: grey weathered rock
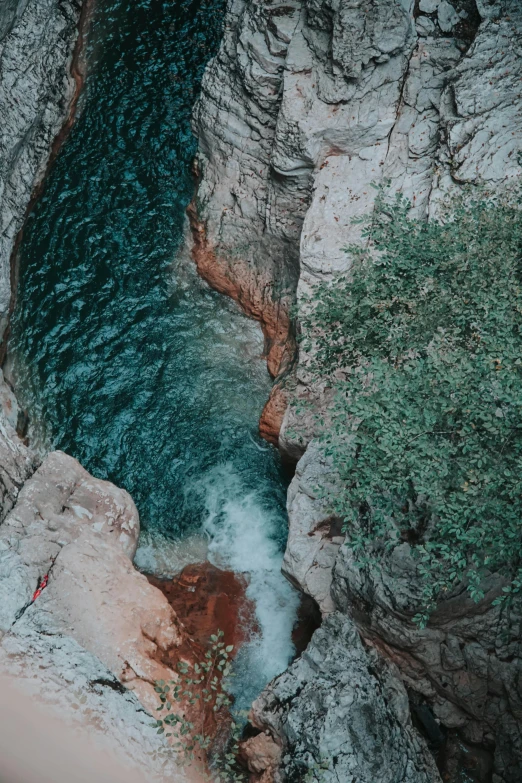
column 303, row 108
column 314, row 537
column 307, row 104
column 465, row 666
column 98, row 627
column 17, row 461
column 447, row 16
column 424, row 26
column 36, row 87
column 428, row 6
column 343, row 715
column 56, row 672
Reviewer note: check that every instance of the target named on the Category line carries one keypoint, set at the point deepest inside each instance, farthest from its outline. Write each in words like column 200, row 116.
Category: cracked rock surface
column 306, row 105
column 37, row 38
column 95, row 639
column 343, row 714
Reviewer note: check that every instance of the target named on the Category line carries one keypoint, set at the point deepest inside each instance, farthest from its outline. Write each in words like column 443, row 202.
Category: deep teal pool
column 121, row 356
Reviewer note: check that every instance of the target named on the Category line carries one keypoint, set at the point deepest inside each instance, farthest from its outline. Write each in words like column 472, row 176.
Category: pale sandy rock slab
column 55, row 507
column 58, row 673
column 97, row 628
column 82, row 533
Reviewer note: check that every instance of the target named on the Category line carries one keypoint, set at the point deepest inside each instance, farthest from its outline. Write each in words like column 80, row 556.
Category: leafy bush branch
column 422, row 341
column 200, row 691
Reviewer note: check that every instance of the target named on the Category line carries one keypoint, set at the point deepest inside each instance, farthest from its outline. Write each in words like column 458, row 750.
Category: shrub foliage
column 422, row 341
column 200, row 688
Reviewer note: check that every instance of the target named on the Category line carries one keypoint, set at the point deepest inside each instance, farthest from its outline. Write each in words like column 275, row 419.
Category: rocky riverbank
column 38, row 88
column 77, row 619
column 81, row 629
column 306, row 104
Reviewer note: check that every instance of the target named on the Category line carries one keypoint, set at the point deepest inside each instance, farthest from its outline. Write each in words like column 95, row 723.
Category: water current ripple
column 121, row 355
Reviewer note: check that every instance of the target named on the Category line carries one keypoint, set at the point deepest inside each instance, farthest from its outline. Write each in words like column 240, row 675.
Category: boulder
column 343, row 714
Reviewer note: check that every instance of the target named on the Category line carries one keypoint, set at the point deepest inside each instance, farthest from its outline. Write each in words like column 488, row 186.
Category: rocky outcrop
column 246, row 222
column 82, row 534
column 308, row 104
column 343, row 715
column 17, row 461
column 463, row 671
column 37, row 39
column 314, row 537
column 56, row 672
column 80, row 628
column 465, row 665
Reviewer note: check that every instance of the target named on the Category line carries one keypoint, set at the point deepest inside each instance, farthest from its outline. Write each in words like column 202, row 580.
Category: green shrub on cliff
column 200, row 689
column 422, row 341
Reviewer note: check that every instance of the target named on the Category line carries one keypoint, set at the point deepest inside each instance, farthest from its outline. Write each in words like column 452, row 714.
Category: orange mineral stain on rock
column 243, row 283
column 237, row 279
column 206, row 599
column 272, row 415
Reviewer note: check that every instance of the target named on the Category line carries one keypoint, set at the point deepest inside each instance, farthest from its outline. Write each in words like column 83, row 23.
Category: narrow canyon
column 177, row 181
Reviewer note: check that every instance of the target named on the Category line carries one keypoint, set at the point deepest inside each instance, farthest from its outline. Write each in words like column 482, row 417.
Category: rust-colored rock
column 261, row 755
column 272, row 416
column 245, row 284
column 206, row 599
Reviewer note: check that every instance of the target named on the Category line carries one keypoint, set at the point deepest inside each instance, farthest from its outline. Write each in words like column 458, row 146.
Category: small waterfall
column 121, row 355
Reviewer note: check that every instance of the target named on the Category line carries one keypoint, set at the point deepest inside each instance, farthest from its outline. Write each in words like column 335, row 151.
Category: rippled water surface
column 122, row 357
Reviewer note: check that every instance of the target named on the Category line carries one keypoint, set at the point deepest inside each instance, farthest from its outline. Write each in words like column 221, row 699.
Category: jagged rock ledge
column 40, row 80
column 306, row 104
column 93, row 642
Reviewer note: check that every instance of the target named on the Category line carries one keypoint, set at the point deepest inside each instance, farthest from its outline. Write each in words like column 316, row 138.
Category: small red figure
column 43, row 584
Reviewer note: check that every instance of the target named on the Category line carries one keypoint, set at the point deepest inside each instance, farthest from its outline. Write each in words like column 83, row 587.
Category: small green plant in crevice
column 422, row 343
column 200, row 691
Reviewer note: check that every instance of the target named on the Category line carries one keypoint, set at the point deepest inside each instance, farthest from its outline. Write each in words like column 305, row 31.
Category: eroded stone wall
column 37, row 39
column 306, row 105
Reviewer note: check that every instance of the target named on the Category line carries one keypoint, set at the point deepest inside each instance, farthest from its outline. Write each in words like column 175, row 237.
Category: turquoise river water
column 121, row 355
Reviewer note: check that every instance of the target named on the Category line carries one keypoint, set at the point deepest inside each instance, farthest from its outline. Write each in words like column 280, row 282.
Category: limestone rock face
column 17, row 461
column 465, row 665
column 305, row 106
column 343, row 714
column 97, row 628
column 314, row 537
column 310, row 102
column 82, row 533
column 464, row 668
column 36, row 44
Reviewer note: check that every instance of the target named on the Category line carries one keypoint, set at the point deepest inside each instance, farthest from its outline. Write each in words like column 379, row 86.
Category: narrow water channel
column 120, row 354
